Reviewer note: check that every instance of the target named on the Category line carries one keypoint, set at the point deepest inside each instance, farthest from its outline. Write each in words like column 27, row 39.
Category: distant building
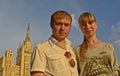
column 22, row 66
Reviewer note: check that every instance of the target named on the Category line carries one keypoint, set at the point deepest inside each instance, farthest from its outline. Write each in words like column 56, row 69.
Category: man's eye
column 66, row 24
column 58, row 23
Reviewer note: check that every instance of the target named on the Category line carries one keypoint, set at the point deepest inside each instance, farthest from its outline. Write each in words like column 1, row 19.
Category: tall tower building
column 22, row 66
column 7, row 63
column 24, row 55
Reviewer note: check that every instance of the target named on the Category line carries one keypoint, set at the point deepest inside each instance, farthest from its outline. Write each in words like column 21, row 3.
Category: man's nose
column 62, row 26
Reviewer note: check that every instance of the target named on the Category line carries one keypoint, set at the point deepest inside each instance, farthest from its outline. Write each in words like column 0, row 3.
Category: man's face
column 61, row 28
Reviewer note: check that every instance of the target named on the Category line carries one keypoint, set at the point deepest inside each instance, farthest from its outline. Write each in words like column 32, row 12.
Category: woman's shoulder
column 77, row 46
column 76, row 49
column 108, row 45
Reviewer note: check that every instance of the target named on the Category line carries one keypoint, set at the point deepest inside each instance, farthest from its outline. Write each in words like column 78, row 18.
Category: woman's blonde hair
column 84, row 18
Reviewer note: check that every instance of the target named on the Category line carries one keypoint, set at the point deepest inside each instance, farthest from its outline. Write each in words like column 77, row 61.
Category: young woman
column 95, row 58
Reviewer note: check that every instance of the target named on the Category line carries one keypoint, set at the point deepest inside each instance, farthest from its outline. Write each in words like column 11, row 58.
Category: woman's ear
column 96, row 24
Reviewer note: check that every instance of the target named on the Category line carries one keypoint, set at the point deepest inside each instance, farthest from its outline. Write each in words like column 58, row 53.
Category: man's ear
column 51, row 25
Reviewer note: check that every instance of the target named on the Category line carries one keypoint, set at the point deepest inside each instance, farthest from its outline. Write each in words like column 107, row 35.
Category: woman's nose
column 87, row 25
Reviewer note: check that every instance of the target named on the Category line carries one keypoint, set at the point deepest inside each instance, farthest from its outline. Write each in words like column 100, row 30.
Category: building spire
column 28, row 32
column 28, row 26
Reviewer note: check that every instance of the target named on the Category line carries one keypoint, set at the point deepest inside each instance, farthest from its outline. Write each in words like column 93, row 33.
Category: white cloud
column 117, row 42
column 74, row 21
column 116, row 27
column 115, row 35
column 115, row 32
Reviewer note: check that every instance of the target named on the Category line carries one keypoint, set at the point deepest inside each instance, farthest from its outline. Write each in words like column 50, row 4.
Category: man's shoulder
column 44, row 43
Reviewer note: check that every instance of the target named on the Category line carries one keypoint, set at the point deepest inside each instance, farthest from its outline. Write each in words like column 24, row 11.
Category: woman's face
column 89, row 28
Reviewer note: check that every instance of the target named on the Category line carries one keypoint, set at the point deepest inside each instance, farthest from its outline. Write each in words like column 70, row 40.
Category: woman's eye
column 90, row 23
column 83, row 23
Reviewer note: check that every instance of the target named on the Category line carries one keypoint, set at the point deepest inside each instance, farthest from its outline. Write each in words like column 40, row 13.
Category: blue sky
column 16, row 14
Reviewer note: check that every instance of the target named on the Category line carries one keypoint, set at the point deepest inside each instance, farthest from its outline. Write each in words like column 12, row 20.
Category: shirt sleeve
column 76, row 51
column 38, row 59
column 114, row 61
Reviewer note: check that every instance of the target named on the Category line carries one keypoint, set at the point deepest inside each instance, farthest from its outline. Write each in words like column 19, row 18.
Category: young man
column 55, row 56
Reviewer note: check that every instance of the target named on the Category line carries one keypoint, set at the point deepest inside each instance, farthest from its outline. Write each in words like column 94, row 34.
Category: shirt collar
column 53, row 41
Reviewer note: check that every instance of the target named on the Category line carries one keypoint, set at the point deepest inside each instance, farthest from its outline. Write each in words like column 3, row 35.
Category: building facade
column 22, row 66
